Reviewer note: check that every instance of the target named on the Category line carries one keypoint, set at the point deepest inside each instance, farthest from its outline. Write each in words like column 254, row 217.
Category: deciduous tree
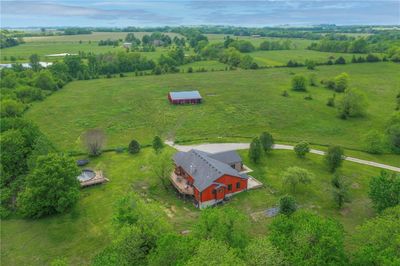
column 334, row 157
column 296, row 175
column 255, row 150
column 301, row 149
column 384, row 190
column 52, row 187
column 267, row 141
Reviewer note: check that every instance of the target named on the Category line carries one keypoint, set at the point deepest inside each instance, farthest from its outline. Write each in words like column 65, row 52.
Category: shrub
column 340, row 61
column 331, row 101
column 11, row 108
column 134, row 147
column 287, row 205
column 299, row 83
column 384, row 190
column 312, row 80
column 341, row 82
column 285, row 93
column 301, row 149
column 374, row 142
column 352, row 104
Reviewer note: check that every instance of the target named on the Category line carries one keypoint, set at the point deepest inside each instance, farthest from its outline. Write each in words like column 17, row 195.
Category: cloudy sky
column 183, row 12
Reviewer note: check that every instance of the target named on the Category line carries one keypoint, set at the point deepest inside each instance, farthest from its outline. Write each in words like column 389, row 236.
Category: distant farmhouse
column 209, row 178
column 127, row 45
column 185, row 97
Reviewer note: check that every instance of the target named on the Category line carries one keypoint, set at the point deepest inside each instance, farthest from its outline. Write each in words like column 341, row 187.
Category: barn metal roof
column 184, row 95
column 203, row 168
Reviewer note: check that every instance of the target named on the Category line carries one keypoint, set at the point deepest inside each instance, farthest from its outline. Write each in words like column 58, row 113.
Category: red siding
column 207, row 194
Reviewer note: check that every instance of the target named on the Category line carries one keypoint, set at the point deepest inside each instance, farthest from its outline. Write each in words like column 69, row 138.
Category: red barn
column 209, row 178
column 184, row 97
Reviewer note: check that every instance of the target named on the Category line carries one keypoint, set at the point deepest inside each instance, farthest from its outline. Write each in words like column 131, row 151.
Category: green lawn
column 80, row 233
column 281, row 57
column 236, row 104
column 208, row 65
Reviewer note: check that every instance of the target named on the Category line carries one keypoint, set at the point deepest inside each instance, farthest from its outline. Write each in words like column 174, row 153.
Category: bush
column 285, row 93
column 299, row 83
column 374, row 142
column 134, row 147
column 312, row 80
column 301, row 149
column 334, row 157
column 340, row 61
column 11, row 108
column 353, row 104
column 331, row 101
column 341, row 82
column 384, row 190
column 287, row 205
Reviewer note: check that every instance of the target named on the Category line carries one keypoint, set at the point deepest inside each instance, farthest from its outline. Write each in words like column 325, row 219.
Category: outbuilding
column 184, row 97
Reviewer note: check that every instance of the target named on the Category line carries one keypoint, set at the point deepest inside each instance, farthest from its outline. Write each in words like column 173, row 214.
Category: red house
column 184, row 97
column 208, row 178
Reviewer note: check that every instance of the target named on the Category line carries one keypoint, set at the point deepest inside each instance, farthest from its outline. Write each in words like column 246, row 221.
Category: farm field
column 79, row 234
column 298, row 43
column 237, row 105
column 281, row 57
column 69, row 44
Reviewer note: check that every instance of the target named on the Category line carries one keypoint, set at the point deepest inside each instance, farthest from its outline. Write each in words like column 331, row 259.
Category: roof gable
column 204, row 169
column 228, row 157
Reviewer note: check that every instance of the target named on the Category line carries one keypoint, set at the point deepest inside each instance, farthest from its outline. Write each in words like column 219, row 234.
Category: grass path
column 220, row 147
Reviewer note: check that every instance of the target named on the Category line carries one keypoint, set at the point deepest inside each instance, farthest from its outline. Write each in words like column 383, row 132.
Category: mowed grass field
column 47, row 45
column 298, row 52
column 82, row 232
column 237, row 104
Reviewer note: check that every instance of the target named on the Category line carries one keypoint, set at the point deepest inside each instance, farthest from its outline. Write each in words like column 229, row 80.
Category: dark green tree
column 287, row 205
column 134, row 147
column 158, row 144
column 267, row 141
column 340, row 188
column 334, row 157
column 52, row 187
column 301, row 149
column 34, row 61
column 255, row 150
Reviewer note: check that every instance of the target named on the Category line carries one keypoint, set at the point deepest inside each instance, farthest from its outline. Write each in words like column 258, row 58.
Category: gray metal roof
column 228, row 157
column 183, row 95
column 203, row 168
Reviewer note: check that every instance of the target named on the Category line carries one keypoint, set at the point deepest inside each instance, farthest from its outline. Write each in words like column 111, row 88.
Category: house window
column 238, row 185
column 214, row 191
column 229, row 187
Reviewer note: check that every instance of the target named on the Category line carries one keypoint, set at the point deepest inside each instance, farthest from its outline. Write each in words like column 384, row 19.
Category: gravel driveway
column 220, row 147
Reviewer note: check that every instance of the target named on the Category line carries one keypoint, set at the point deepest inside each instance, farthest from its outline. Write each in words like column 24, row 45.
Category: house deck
column 180, row 184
